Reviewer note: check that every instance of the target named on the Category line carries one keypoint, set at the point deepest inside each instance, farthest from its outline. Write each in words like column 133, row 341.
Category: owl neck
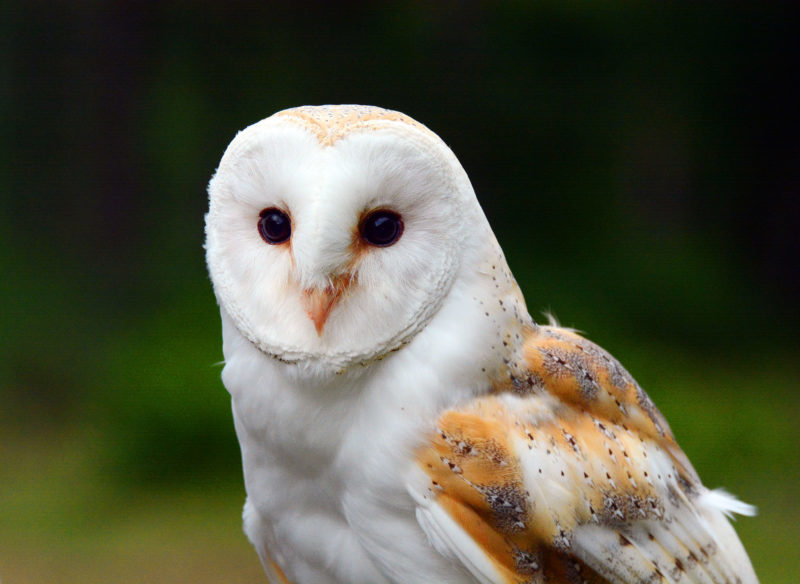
column 484, row 321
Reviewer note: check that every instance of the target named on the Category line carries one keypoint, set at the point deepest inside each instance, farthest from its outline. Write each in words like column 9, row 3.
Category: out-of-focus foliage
column 639, row 163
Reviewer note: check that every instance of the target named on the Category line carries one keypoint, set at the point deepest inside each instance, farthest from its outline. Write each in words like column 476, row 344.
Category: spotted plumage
column 402, row 418
column 529, row 473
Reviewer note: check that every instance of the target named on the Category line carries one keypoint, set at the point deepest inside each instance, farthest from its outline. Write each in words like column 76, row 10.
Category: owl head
column 335, row 233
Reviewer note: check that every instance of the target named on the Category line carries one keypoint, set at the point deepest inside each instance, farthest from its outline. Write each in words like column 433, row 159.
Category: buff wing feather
column 566, row 472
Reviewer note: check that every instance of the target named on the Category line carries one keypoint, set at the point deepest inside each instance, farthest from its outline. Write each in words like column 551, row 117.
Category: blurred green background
column 638, row 161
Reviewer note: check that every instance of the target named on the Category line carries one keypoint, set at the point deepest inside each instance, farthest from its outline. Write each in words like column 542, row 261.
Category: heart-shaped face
column 335, row 232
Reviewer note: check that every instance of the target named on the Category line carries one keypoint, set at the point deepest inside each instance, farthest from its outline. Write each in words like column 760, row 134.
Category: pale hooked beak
column 319, row 302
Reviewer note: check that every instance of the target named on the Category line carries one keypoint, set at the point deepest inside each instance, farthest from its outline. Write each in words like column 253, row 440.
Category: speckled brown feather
column 582, row 374
column 573, row 402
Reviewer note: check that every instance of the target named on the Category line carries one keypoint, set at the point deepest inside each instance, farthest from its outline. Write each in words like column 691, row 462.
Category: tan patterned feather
column 566, row 449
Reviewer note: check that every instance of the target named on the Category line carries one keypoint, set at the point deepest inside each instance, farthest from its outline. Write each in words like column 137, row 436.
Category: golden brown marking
column 468, row 456
column 358, row 247
column 583, row 375
column 476, row 477
column 330, row 123
column 282, row 579
column 473, row 461
column 274, row 570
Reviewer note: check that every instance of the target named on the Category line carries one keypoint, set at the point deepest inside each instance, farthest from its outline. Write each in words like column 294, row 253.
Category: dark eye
column 382, row 228
column 274, row 226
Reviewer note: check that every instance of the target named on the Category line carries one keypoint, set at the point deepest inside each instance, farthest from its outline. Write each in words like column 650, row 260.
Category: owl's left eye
column 274, row 226
column 381, row 228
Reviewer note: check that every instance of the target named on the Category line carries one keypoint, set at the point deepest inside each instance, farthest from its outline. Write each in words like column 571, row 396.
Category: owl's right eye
column 274, row 226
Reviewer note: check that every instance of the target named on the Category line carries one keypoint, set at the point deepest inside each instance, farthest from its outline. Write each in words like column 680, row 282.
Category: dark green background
column 639, row 163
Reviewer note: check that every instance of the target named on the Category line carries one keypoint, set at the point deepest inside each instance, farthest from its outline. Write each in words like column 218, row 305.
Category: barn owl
column 402, row 418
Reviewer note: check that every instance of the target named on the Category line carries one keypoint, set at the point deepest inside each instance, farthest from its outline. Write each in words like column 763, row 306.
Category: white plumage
column 402, row 419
